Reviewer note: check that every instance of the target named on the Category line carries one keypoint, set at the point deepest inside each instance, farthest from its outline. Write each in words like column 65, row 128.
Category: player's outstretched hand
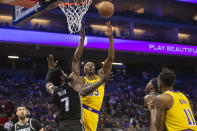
column 109, row 31
column 107, row 77
column 82, row 33
column 51, row 63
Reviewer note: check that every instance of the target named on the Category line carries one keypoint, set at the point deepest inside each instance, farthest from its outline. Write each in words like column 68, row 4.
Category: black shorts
column 70, row 125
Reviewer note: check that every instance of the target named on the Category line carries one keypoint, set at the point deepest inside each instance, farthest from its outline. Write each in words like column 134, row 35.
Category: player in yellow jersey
column 171, row 108
column 92, row 103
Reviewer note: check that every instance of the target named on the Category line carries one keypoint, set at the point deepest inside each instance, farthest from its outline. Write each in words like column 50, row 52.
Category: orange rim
column 73, row 4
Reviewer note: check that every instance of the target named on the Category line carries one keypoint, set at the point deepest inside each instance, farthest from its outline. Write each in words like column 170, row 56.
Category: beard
column 91, row 73
column 22, row 118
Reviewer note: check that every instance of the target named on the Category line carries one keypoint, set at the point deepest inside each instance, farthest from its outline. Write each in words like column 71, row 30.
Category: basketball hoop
column 74, row 11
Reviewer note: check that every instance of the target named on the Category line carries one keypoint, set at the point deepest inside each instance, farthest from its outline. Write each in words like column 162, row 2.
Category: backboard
column 24, row 10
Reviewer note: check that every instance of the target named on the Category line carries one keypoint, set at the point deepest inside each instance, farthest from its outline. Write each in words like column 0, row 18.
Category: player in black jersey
column 152, row 87
column 66, row 91
column 24, row 123
column 151, row 90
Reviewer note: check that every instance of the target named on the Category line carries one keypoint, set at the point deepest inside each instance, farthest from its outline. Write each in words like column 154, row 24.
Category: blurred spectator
column 42, row 121
column 9, row 107
column 49, row 117
column 9, row 124
column 126, row 124
column 3, row 120
column 108, row 123
column 14, row 118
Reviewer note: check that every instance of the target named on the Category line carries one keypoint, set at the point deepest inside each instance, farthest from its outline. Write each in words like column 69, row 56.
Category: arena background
column 139, row 22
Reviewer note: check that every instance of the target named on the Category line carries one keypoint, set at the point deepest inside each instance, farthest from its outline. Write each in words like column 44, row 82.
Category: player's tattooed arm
column 107, row 66
column 79, row 85
column 160, row 111
column 148, row 100
column 88, row 90
column 51, row 65
column 78, row 53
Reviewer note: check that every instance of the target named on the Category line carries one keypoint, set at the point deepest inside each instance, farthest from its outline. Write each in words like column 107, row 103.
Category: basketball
column 105, row 9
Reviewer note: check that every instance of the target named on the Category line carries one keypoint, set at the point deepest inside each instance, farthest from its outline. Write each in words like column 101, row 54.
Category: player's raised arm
column 107, row 66
column 78, row 53
column 148, row 100
column 51, row 65
column 84, row 91
column 160, row 110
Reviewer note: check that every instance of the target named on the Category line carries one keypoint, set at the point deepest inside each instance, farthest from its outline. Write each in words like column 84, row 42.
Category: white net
column 74, row 11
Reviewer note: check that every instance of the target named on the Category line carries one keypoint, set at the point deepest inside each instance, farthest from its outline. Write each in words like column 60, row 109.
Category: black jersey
column 68, row 102
column 30, row 125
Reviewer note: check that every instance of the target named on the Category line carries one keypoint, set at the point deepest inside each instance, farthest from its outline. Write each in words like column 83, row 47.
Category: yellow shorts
column 90, row 120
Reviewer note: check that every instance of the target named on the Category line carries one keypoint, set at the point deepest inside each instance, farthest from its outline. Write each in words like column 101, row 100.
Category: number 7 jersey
column 68, row 102
column 179, row 117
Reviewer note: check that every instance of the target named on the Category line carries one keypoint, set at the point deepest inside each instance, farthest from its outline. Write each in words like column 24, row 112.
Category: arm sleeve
column 48, row 76
column 36, row 124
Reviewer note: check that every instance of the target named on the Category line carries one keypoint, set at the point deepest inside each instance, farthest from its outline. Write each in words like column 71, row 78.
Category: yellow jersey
column 95, row 99
column 179, row 117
